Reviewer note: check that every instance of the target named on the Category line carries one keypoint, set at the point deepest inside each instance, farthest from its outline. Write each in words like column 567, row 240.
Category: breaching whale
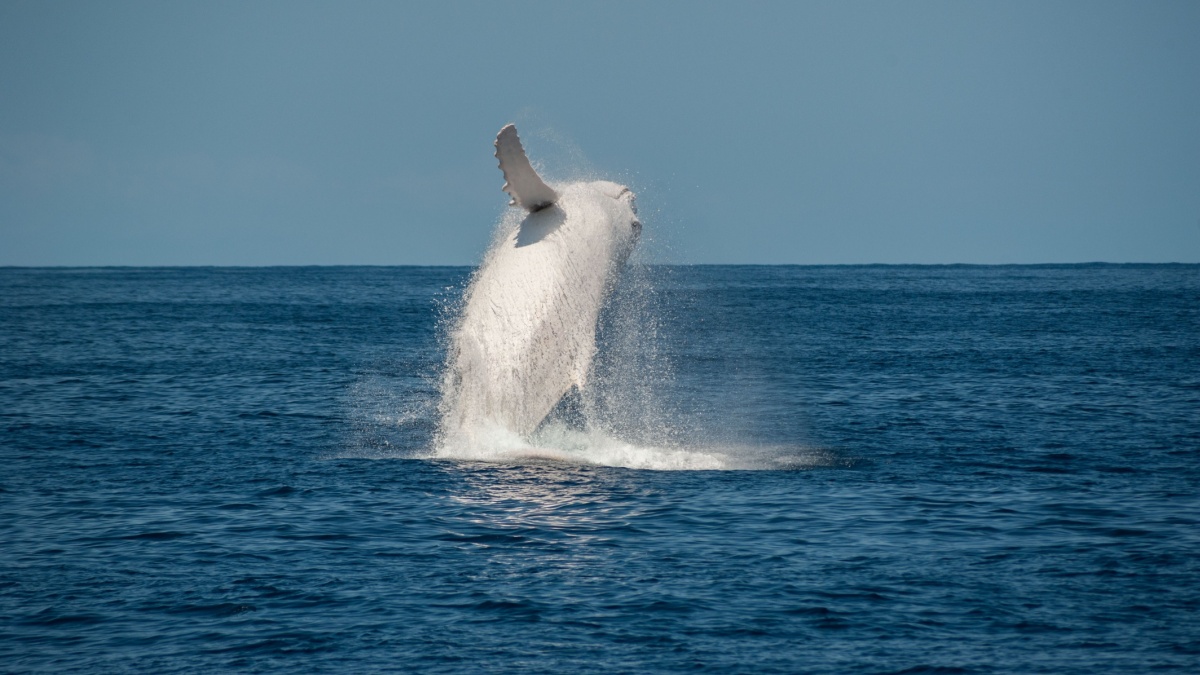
column 526, row 334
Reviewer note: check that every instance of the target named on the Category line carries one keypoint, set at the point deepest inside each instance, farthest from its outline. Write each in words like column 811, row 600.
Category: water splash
column 559, row 442
column 622, row 417
column 553, row 353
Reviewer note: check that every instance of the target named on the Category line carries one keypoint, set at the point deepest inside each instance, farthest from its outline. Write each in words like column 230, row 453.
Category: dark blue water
column 221, row 470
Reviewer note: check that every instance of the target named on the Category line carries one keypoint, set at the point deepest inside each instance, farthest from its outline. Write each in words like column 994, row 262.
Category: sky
column 301, row 133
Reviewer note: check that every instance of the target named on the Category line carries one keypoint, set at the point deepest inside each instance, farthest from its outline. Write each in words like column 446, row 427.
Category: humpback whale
column 526, row 334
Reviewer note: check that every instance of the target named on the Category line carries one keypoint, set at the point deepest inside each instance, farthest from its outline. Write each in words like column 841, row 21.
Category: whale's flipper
column 521, row 181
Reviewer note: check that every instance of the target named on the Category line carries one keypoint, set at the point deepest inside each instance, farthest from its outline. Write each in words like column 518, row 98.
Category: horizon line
column 1094, row 263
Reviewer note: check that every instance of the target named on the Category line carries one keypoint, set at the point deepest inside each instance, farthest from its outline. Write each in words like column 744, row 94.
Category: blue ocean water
column 931, row 469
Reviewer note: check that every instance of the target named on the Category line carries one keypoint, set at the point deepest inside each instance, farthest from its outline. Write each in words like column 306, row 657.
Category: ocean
column 775, row 469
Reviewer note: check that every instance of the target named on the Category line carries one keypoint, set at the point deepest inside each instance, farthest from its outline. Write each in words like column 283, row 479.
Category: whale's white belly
column 528, row 329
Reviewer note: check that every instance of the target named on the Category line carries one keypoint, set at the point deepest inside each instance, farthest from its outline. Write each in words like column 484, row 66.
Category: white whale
column 527, row 331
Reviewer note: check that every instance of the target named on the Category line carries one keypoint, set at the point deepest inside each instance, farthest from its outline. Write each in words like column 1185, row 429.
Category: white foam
column 556, row 442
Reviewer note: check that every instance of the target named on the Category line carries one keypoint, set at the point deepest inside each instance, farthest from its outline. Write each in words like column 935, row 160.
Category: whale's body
column 527, row 331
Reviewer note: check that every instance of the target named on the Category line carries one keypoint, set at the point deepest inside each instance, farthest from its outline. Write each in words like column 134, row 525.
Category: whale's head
column 625, row 206
column 620, row 205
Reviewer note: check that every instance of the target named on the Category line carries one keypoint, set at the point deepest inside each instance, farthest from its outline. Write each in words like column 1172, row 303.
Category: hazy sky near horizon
column 267, row 133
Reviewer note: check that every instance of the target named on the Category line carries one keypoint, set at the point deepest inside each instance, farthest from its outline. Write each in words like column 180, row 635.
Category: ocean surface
column 880, row 469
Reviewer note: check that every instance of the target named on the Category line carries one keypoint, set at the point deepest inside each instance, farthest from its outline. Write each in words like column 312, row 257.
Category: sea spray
column 627, row 395
column 621, row 417
column 553, row 353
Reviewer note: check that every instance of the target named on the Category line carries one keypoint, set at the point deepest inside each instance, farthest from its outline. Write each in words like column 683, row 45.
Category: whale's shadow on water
column 540, row 224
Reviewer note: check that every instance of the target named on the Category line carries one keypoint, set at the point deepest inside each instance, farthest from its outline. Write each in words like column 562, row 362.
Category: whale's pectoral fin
column 528, row 190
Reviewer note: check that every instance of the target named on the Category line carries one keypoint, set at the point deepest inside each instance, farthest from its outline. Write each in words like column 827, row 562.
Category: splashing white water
column 557, row 442
column 525, row 379
column 618, row 418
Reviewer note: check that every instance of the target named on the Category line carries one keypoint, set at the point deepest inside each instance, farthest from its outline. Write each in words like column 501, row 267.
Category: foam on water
column 556, row 441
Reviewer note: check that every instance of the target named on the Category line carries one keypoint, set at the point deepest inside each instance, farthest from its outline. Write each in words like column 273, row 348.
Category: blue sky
column 265, row 133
